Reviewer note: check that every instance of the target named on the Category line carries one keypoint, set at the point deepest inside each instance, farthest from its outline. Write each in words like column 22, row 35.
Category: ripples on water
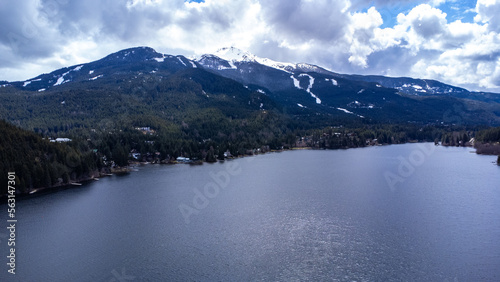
column 294, row 216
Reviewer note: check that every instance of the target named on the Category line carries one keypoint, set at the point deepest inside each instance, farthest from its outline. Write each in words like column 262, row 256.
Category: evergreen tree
column 120, row 155
column 211, row 156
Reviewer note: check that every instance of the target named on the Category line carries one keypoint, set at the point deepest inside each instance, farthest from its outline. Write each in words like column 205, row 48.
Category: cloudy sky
column 454, row 41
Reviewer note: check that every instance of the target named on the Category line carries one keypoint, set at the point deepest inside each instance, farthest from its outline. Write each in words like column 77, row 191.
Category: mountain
column 302, row 91
column 143, row 105
column 426, row 87
column 406, row 85
column 380, row 98
column 141, row 59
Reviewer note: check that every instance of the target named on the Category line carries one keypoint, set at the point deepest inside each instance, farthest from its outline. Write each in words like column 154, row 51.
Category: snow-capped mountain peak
column 288, row 67
column 234, row 54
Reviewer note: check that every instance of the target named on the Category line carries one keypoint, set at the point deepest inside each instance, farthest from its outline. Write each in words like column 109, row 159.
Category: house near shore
column 60, row 140
column 146, row 130
column 182, row 159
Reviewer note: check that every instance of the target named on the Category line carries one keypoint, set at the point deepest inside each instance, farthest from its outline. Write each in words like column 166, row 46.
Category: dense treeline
column 154, row 118
column 488, row 142
column 38, row 162
column 340, row 137
column 206, row 135
column 460, row 138
column 489, row 135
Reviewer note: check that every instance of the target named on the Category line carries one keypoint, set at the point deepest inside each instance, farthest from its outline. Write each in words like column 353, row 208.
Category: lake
column 412, row 212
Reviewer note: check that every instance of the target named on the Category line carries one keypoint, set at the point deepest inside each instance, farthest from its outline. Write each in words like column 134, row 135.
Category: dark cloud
column 490, row 56
column 396, row 61
column 428, row 26
column 25, row 31
column 488, row 11
column 269, row 48
column 120, row 19
column 302, row 20
column 218, row 16
column 345, row 36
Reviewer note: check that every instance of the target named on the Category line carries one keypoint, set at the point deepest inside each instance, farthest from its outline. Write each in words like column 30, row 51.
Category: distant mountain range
column 297, row 90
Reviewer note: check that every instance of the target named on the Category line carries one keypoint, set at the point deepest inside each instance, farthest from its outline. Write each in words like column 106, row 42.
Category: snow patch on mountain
column 61, row 80
column 349, row 112
column 96, row 77
column 334, row 82
column 345, row 111
column 91, row 72
column 231, row 66
column 215, row 62
column 162, row 58
column 180, row 60
column 26, row 83
column 308, row 90
column 296, row 82
column 233, row 55
column 286, row 67
column 359, row 105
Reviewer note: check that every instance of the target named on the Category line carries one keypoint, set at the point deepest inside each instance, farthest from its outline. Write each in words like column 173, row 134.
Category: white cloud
column 362, row 29
column 487, row 12
column 346, row 36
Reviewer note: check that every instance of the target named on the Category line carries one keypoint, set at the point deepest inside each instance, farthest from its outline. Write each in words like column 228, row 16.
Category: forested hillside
column 38, row 162
column 139, row 105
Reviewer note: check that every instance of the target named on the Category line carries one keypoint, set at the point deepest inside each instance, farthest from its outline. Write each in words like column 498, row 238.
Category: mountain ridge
column 300, row 89
column 407, row 85
column 138, row 104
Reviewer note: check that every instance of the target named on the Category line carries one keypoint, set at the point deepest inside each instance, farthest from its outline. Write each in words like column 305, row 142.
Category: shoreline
column 130, row 168
column 96, row 175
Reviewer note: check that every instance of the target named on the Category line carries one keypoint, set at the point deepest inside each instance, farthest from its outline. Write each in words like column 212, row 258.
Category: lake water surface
column 397, row 213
